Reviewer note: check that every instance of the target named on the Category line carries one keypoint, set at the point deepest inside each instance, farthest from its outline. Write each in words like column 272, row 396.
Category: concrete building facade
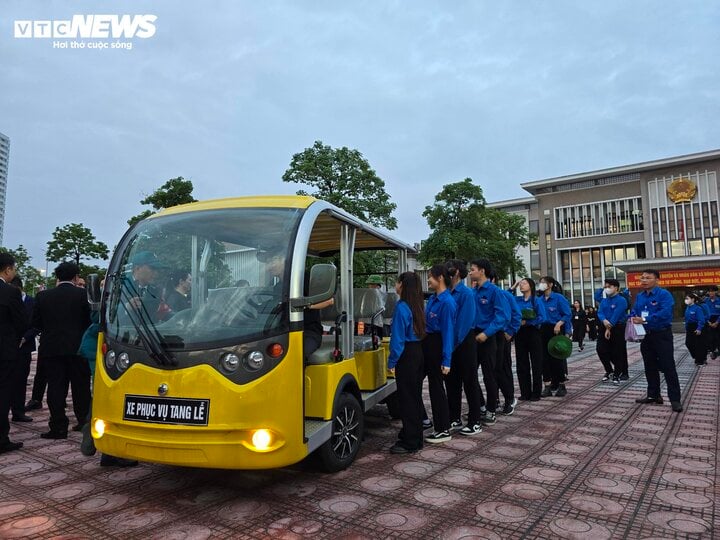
column 614, row 222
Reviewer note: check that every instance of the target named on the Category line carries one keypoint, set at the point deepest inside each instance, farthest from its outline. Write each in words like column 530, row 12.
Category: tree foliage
column 172, row 193
column 343, row 177
column 463, row 227
column 75, row 242
column 31, row 276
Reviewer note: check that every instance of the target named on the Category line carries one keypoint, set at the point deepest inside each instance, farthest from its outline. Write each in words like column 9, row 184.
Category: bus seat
column 324, row 355
column 367, row 302
column 329, row 314
column 391, row 300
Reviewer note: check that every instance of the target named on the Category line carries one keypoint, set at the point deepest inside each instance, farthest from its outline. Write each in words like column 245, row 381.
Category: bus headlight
column 254, row 360
column 261, row 439
column 123, row 361
column 110, row 359
column 98, row 428
column 229, row 362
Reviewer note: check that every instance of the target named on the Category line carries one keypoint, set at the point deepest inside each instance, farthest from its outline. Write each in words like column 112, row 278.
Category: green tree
column 172, row 193
column 462, row 226
column 75, row 242
column 31, row 276
column 343, row 177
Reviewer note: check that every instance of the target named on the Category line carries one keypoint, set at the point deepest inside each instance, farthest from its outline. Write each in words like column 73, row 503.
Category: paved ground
column 591, row 465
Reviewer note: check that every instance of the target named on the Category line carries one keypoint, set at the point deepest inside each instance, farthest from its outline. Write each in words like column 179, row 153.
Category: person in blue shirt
column 464, row 373
column 653, row 309
column 406, row 361
column 713, row 329
column 503, row 360
column 611, row 345
column 493, row 314
column 528, row 343
column 695, row 320
column 437, row 347
column 557, row 321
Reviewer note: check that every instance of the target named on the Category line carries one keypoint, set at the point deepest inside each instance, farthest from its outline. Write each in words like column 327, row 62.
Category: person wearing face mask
column 557, row 321
column 611, row 344
column 694, row 323
column 579, row 324
column 528, row 343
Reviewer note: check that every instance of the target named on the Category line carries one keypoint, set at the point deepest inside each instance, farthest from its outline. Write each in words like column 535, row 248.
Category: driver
column 312, row 327
column 145, row 295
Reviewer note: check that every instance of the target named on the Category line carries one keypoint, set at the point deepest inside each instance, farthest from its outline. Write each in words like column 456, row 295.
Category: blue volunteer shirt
column 658, row 303
column 402, row 332
column 706, row 309
column 493, row 310
column 557, row 308
column 534, row 303
column 714, row 305
column 695, row 314
column 440, row 313
column 515, row 315
column 613, row 309
column 466, row 311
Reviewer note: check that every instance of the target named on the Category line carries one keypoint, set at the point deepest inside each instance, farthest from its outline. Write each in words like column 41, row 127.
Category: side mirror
column 323, row 280
column 93, row 290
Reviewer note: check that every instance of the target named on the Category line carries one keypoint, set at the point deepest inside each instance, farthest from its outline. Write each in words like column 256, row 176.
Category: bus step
column 317, row 432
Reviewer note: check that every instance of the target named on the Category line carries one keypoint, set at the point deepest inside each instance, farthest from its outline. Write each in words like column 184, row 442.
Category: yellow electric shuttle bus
column 218, row 378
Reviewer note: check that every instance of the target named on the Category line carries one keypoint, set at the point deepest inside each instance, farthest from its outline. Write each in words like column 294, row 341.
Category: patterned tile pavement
column 593, row 465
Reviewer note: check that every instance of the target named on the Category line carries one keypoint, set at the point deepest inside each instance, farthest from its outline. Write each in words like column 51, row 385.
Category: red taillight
column 104, row 348
column 275, row 350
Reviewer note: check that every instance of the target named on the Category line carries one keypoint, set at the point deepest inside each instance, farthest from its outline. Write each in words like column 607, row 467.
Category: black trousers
column 486, row 357
column 529, row 361
column 554, row 369
column 409, row 375
column 61, row 372
column 39, row 381
column 658, row 356
column 503, row 368
column 712, row 335
column 19, row 385
column 464, row 375
column 613, row 352
column 8, row 366
column 695, row 344
column 432, row 357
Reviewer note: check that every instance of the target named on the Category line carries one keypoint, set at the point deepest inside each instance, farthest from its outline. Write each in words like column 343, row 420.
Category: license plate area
column 162, row 410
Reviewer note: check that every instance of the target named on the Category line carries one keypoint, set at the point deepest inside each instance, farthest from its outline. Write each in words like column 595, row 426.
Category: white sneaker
column 471, row 430
column 438, row 437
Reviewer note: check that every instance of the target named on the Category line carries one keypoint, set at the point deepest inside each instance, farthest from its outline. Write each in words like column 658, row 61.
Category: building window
column 600, row 218
column 535, row 259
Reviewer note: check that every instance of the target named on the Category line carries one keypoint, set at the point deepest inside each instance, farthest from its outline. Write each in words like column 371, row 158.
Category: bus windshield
column 202, row 279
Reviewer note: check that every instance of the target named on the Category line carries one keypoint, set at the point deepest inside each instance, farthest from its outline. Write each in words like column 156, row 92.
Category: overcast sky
column 226, row 92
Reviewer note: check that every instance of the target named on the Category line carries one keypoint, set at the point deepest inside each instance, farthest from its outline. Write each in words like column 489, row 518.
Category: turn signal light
column 98, row 428
column 275, row 350
column 261, row 439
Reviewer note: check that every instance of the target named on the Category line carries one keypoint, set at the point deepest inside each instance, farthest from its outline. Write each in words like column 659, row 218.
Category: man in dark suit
column 62, row 315
column 13, row 325
column 27, row 346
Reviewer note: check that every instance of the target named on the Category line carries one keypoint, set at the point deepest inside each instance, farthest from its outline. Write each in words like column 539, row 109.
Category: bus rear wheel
column 347, row 431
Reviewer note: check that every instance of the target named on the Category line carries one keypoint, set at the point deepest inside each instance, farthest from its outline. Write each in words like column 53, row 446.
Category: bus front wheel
column 347, row 431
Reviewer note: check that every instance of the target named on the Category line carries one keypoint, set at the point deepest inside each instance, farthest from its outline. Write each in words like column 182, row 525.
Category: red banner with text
column 680, row 278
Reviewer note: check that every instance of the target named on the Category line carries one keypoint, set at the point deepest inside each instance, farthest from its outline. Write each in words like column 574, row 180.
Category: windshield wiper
column 148, row 334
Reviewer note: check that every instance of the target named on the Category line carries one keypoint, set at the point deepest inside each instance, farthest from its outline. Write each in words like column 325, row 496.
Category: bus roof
column 324, row 236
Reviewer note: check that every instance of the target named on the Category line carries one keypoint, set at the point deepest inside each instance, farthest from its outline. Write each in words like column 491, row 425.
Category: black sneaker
column 561, row 391
column 607, row 377
column 646, row 400
column 455, row 425
column 509, row 408
column 471, row 430
column 676, row 406
column 488, row 419
column 427, row 424
column 616, row 380
column 624, row 377
column 714, row 355
column 438, row 437
column 547, row 392
column 398, row 448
